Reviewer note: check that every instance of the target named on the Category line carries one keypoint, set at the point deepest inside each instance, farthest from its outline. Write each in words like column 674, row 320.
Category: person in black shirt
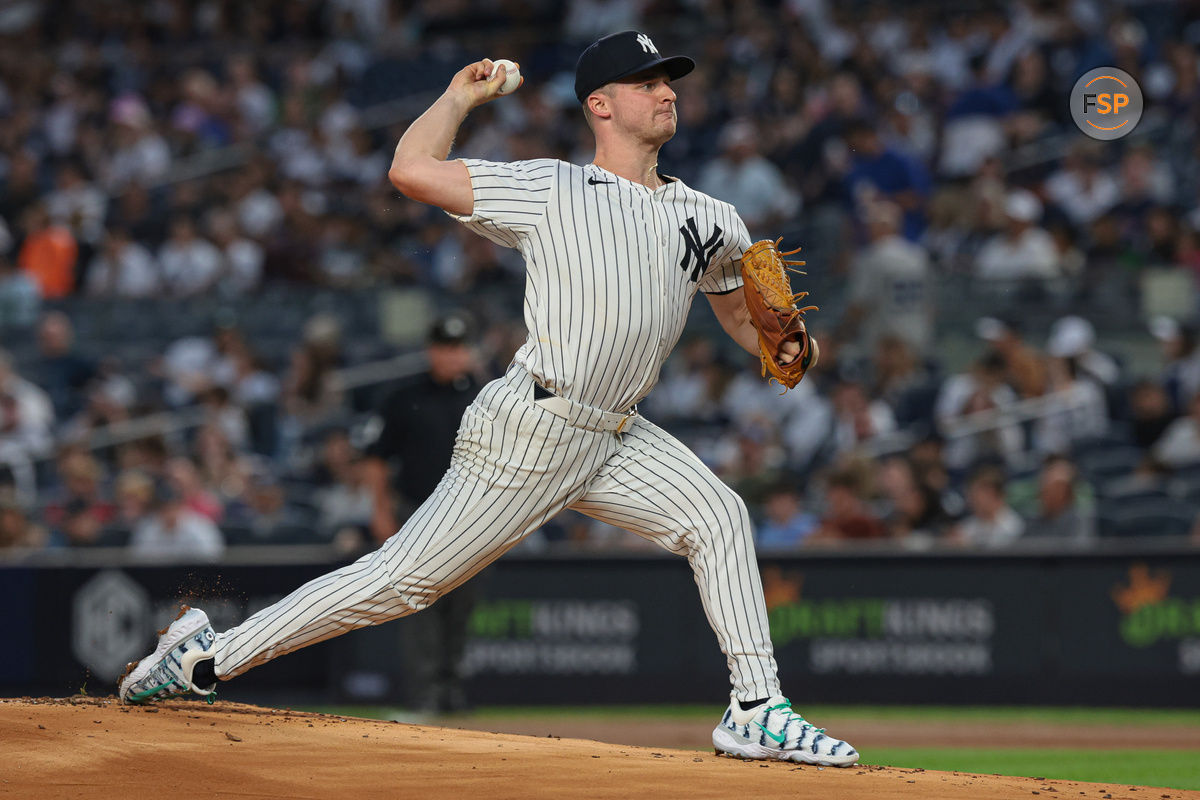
column 63, row 373
column 416, row 430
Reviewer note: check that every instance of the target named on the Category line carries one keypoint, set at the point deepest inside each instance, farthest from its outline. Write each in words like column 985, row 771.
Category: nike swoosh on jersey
column 594, row 182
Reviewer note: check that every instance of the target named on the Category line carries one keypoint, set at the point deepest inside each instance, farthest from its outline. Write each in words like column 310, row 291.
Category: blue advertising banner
column 1052, row 628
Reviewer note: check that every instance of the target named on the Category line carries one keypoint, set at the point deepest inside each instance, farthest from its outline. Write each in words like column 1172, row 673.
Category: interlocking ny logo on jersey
column 647, row 45
column 701, row 252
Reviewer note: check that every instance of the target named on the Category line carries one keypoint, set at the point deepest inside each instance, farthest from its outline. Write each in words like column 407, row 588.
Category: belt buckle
column 628, row 416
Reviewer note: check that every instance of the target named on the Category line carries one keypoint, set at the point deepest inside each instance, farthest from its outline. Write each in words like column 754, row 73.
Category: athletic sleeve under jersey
column 612, row 268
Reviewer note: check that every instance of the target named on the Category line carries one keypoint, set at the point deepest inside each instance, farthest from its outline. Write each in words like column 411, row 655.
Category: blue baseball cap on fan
column 620, row 55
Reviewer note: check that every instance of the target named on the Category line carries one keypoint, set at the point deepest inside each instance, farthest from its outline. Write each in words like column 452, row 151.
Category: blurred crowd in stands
column 212, row 172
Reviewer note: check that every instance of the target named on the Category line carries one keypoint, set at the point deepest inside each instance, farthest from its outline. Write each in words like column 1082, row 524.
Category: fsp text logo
column 1106, row 103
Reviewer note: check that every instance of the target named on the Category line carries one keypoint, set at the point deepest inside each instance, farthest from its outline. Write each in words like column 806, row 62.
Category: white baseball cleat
column 168, row 670
column 772, row 730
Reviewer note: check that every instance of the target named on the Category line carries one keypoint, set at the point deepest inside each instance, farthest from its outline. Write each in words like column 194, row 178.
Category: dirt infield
column 95, row 748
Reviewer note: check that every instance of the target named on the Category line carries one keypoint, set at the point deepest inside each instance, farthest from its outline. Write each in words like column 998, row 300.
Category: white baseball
column 512, row 75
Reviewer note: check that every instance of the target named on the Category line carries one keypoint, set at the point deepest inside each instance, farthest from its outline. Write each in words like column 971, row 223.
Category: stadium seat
column 296, row 534
column 240, row 535
column 1188, row 492
column 303, row 501
column 1115, row 438
column 1151, row 525
column 1134, row 488
column 114, row 537
column 1152, row 517
column 1189, row 473
column 1110, row 462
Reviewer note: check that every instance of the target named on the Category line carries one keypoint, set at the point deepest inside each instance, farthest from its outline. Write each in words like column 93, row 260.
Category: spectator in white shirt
column 352, row 157
column 1023, row 249
column 193, row 364
column 345, row 498
column 78, row 204
column 254, row 101
column 1081, row 188
column 190, row 264
column 122, row 268
column 243, row 257
column 61, row 118
column 26, row 414
column 891, row 286
column 976, row 121
column 142, row 155
column 858, row 418
column 981, row 389
column 1180, row 350
column 258, row 210
column 992, row 522
column 751, row 183
column 1180, row 443
column 1074, row 337
column 296, row 145
column 1076, row 408
column 174, row 532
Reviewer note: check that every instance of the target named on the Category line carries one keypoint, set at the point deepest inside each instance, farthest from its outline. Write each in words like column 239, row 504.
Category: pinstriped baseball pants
column 516, row 465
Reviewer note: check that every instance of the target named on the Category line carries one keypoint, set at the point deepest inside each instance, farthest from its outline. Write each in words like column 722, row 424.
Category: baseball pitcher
column 615, row 252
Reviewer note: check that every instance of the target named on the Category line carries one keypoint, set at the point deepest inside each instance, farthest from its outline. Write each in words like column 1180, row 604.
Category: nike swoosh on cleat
column 779, row 738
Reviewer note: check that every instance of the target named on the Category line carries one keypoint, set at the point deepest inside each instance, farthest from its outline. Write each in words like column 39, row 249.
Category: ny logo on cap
column 647, row 45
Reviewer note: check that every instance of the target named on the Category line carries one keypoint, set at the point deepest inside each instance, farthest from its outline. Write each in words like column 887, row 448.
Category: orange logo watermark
column 1106, row 103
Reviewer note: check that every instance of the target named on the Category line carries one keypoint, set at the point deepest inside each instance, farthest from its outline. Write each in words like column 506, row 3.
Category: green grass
column 1174, row 769
column 1069, row 715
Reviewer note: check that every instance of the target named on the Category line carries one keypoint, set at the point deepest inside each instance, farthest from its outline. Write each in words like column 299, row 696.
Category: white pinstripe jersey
column 611, row 269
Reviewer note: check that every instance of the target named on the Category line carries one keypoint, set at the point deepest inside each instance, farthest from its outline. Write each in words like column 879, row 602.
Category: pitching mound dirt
column 866, row 734
column 95, row 748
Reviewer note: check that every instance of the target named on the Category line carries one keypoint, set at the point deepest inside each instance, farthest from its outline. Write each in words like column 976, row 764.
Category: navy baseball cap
column 620, row 55
column 453, row 328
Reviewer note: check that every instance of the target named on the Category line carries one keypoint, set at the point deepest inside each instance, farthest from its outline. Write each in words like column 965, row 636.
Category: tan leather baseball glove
column 774, row 312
